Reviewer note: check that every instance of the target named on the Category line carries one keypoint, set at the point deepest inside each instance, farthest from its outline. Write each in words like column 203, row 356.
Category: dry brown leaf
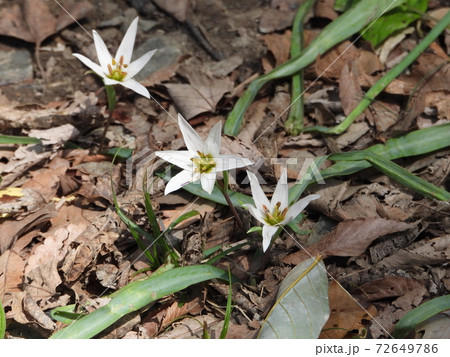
column 41, row 284
column 11, row 230
column 391, row 286
column 324, row 8
column 201, row 207
column 346, row 314
column 279, row 46
column 34, row 21
column 432, row 252
column 201, row 95
column 39, row 316
column 350, row 91
column 12, row 269
column 350, row 238
column 177, row 8
column 190, row 327
column 412, row 295
column 275, row 20
column 163, row 317
column 326, row 64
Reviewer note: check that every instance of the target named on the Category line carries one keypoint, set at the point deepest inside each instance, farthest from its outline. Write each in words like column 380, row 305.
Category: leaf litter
column 62, row 243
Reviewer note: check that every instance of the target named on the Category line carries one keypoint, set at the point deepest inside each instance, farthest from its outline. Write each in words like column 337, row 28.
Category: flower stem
column 224, row 189
column 111, row 93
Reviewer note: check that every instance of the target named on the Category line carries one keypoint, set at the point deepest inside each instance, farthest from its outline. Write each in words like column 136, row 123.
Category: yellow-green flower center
column 204, row 163
column 116, row 70
column 276, row 216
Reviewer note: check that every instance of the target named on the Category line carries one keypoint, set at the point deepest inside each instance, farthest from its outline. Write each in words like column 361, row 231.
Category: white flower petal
column 281, row 193
column 178, row 181
column 208, row 181
column 92, row 65
column 255, row 213
column 110, row 82
column 192, row 140
column 179, row 158
column 229, row 162
column 103, row 55
column 136, row 86
column 258, row 194
column 297, row 208
column 212, row 143
column 268, row 233
column 126, row 46
column 134, row 67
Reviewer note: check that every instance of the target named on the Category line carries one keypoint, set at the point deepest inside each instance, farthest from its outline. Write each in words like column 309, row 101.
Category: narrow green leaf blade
column 301, row 308
column 8, row 139
column 420, row 314
column 2, row 321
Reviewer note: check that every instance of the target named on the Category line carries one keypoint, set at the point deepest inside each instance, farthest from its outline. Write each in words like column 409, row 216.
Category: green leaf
column 395, row 20
column 120, row 153
column 138, row 294
column 420, row 314
column 226, row 320
column 2, row 321
column 8, row 139
column 255, row 229
column 301, row 308
column 395, row 172
column 65, row 314
column 180, row 219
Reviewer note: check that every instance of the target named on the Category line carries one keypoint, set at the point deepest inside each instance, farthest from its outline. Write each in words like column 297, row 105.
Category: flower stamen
column 275, row 217
column 116, row 70
column 204, row 163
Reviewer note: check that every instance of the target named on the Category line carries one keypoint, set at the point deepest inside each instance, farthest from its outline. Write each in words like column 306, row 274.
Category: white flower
column 277, row 212
column 201, row 161
column 119, row 69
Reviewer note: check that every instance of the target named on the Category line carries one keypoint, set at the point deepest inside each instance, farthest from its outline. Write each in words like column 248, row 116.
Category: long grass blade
column 2, row 321
column 8, row 139
column 294, row 123
column 395, row 172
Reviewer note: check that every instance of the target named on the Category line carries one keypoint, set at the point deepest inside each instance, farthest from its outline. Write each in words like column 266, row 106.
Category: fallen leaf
column 346, row 314
column 275, row 20
column 11, row 230
column 350, row 91
column 177, row 8
column 350, row 238
column 389, row 287
column 279, row 45
column 201, row 95
column 12, row 269
column 423, row 253
column 34, row 21
column 31, row 307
